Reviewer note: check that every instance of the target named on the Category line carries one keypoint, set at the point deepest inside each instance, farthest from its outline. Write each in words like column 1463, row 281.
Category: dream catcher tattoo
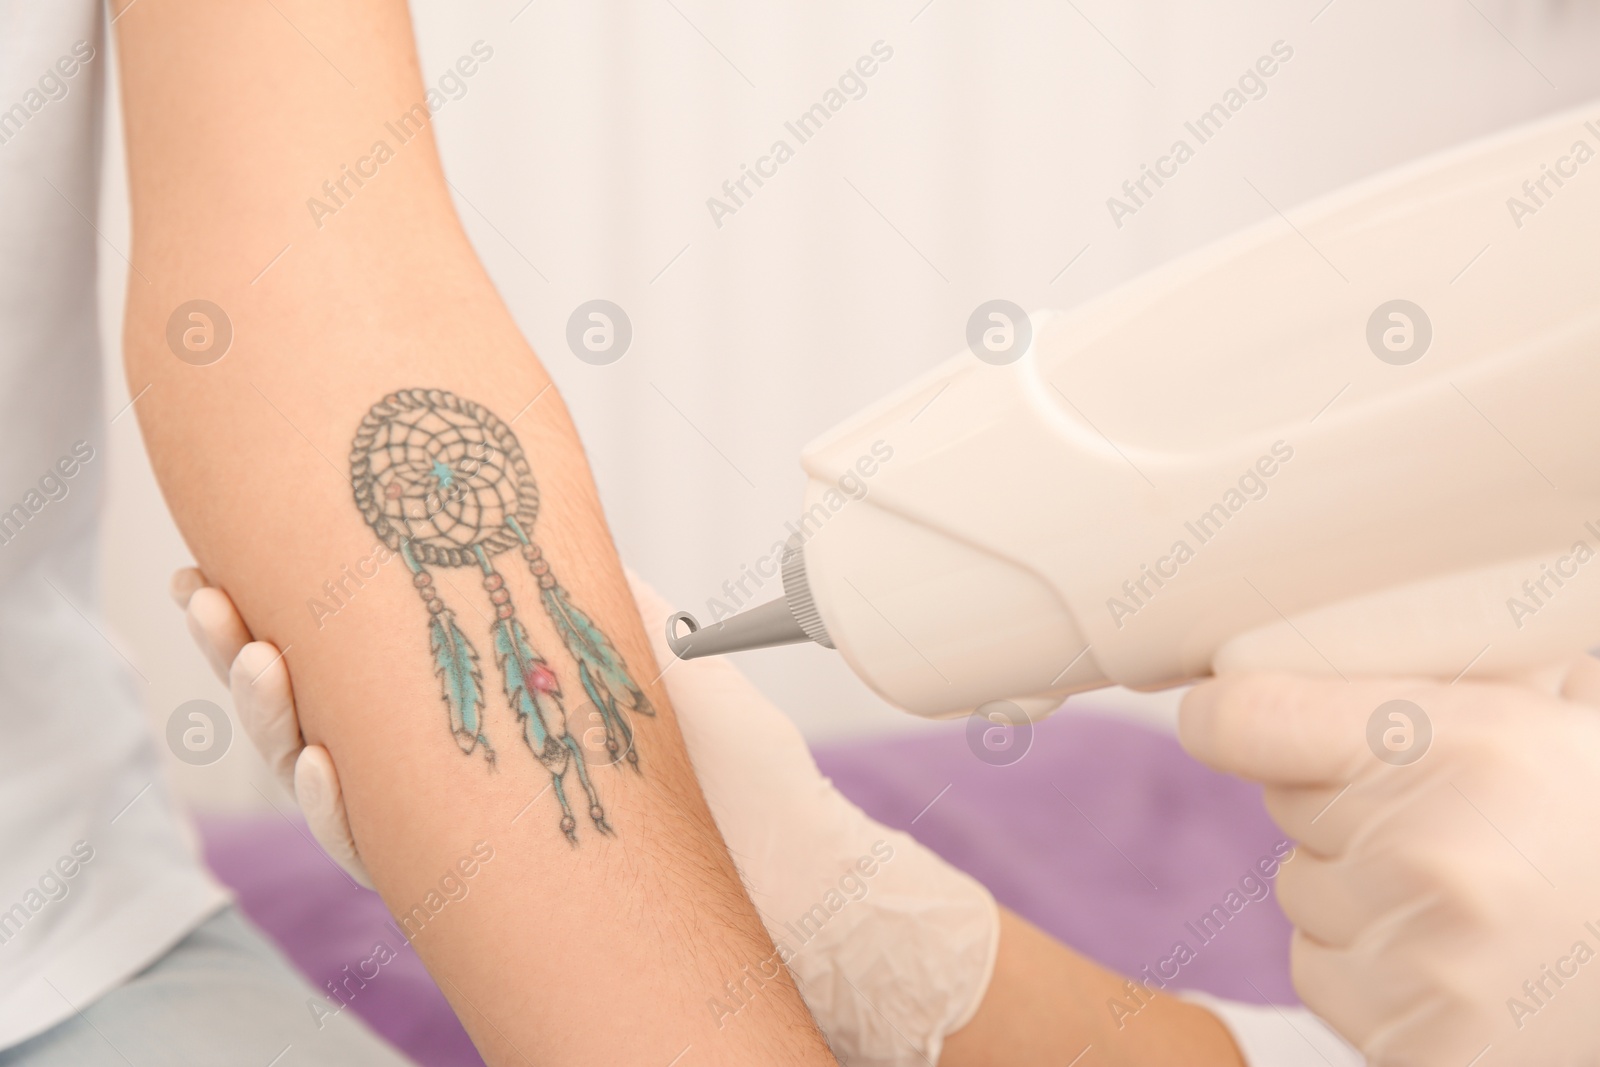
column 444, row 483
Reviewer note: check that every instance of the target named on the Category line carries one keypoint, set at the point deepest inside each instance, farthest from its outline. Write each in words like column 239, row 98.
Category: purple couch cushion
column 1104, row 834
column 324, row 923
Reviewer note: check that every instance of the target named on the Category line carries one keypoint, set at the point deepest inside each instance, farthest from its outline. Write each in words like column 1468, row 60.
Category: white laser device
column 1360, row 439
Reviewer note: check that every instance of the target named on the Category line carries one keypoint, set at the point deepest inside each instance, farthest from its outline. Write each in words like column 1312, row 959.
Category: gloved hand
column 892, row 947
column 258, row 679
column 1446, row 892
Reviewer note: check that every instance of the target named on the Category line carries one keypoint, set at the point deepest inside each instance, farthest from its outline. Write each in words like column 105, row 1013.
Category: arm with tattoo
column 479, row 678
column 443, row 481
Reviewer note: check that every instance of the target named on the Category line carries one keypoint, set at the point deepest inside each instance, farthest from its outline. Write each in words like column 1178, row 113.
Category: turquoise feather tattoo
column 600, row 668
column 446, row 484
column 456, row 664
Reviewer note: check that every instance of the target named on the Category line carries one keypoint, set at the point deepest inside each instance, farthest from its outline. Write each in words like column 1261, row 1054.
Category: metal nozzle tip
column 761, row 627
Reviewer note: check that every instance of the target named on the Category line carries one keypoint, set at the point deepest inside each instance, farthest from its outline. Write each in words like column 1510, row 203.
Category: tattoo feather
column 544, row 721
column 593, row 650
column 616, row 725
column 418, row 458
column 456, row 664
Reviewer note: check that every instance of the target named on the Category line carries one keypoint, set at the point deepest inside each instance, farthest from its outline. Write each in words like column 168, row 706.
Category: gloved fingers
column 1404, row 1003
column 216, row 627
column 1339, row 902
column 185, row 580
column 1318, row 818
column 1326, row 819
column 1436, row 1031
column 264, row 701
column 1547, row 679
column 1582, row 683
column 1342, row 986
column 1405, row 833
column 316, row 787
column 1284, row 729
column 1313, row 893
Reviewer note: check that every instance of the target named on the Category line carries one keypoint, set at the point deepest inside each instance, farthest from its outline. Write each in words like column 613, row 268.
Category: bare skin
column 588, row 947
column 1047, row 1005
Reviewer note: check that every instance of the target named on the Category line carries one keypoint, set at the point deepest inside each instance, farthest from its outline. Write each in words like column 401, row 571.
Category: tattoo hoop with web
column 444, row 482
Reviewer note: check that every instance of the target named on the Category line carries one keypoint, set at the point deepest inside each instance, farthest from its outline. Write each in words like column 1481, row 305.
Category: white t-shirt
column 98, row 876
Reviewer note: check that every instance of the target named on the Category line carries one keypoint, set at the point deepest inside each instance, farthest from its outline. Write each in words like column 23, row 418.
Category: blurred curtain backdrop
column 974, row 163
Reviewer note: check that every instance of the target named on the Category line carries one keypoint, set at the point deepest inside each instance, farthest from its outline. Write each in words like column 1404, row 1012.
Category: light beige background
column 976, row 166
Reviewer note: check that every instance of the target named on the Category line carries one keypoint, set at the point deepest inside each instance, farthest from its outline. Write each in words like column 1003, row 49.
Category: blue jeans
column 223, row 996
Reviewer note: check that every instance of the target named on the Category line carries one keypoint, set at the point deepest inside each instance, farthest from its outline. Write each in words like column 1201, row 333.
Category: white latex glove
column 893, row 948
column 258, row 679
column 1447, row 910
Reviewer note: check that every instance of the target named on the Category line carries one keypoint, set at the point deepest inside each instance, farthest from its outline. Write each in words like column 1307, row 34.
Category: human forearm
column 797, row 839
column 1047, row 1004
column 601, row 951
